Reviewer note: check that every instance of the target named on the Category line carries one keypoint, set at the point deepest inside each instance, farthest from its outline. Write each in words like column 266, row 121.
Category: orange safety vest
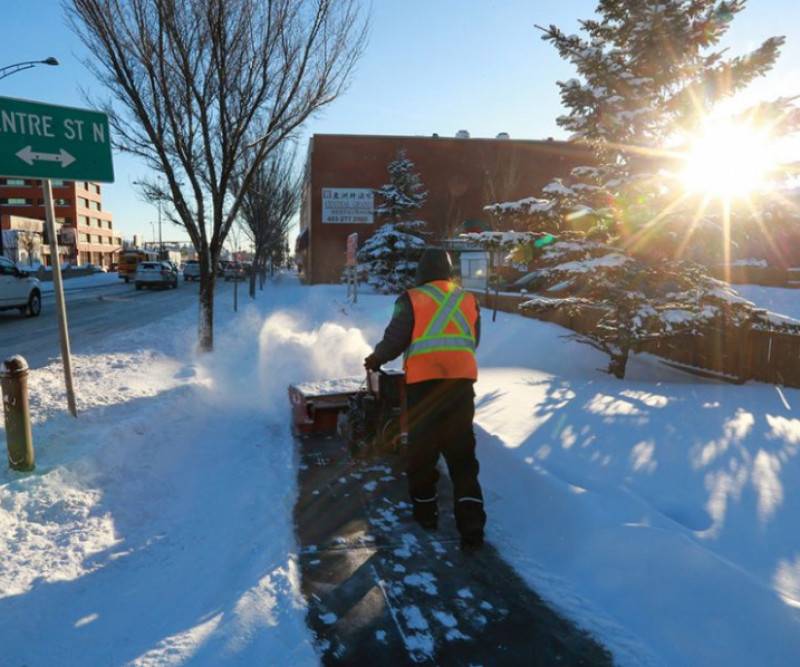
column 443, row 340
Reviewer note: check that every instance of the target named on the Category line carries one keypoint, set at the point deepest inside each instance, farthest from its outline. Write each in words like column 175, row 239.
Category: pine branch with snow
column 388, row 259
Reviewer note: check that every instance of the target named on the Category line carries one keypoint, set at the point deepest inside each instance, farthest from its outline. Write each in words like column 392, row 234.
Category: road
column 93, row 314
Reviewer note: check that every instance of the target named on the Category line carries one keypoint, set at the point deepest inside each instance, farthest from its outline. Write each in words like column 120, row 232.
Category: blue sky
column 429, row 67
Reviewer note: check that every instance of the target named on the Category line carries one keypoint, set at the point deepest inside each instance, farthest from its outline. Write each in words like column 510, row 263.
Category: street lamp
column 160, row 241
column 8, row 70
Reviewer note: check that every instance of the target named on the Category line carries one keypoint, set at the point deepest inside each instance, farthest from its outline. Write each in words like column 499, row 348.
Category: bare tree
column 196, row 84
column 30, row 243
column 268, row 207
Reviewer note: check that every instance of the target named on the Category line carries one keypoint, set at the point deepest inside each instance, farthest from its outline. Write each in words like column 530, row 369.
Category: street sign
column 45, row 141
column 352, row 248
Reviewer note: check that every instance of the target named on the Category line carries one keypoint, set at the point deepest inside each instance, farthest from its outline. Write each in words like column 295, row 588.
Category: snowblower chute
column 368, row 413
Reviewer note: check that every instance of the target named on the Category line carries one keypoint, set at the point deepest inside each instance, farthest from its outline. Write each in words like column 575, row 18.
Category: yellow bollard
column 19, row 438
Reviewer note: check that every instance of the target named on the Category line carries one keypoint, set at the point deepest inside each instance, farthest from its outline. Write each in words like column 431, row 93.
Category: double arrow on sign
column 28, row 156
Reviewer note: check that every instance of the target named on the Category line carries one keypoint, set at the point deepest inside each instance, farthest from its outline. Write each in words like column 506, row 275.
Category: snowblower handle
column 373, row 380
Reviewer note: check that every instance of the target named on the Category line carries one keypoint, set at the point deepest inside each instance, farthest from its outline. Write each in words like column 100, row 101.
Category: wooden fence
column 731, row 353
column 770, row 276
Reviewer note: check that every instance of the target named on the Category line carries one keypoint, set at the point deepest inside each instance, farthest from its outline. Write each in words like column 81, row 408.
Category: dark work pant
column 440, row 416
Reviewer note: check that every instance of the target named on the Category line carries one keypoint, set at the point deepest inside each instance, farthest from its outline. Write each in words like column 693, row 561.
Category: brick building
column 462, row 175
column 86, row 230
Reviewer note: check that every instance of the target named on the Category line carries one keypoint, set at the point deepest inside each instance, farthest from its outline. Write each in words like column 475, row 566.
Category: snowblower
column 368, row 414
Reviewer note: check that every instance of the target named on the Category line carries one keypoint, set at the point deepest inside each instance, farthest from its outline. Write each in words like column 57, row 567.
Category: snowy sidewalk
column 381, row 590
column 659, row 512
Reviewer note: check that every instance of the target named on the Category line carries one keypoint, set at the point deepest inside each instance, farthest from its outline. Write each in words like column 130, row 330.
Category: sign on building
column 45, row 141
column 348, row 206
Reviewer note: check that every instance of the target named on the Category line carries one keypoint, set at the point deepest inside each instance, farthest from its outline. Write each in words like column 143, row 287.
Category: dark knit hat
column 434, row 264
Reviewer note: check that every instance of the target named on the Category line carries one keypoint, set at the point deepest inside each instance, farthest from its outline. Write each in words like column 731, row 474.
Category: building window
column 16, row 201
column 12, row 181
column 82, row 238
column 62, row 202
column 83, row 202
column 58, row 183
column 83, row 220
column 97, row 188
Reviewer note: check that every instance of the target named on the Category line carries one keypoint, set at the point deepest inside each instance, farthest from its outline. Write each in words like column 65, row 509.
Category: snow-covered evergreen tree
column 650, row 73
column 388, row 259
column 403, row 193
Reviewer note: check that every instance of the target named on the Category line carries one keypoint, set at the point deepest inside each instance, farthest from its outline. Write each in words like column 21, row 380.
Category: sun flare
column 729, row 161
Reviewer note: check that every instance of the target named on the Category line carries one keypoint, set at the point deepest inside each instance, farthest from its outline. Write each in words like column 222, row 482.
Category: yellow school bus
column 129, row 260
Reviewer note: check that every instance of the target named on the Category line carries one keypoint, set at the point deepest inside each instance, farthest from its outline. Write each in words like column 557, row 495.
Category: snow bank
column 656, row 511
column 82, row 282
column 157, row 528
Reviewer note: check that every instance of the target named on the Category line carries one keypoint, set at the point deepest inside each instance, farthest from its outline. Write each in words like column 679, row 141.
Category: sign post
column 44, row 141
column 352, row 248
column 61, row 307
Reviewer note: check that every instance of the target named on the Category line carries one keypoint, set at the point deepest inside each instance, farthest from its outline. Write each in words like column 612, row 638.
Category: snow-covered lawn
column 660, row 512
column 84, row 282
column 157, row 528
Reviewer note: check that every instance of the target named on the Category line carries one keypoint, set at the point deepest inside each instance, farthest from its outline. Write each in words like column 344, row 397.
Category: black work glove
column 371, row 363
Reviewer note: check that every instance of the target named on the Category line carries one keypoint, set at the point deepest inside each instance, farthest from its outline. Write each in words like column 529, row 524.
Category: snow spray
column 290, row 354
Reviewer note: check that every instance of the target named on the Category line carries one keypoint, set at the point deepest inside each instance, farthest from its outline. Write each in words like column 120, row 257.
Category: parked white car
column 19, row 290
column 191, row 270
column 156, row 274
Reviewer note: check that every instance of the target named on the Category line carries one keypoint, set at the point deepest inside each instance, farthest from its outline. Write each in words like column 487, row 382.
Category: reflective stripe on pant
column 440, row 414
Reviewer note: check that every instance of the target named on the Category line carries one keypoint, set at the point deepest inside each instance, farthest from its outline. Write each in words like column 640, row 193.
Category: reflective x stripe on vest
column 434, row 338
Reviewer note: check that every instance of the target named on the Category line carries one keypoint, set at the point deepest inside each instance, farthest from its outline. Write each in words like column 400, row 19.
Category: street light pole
column 8, row 70
column 159, row 200
column 160, row 240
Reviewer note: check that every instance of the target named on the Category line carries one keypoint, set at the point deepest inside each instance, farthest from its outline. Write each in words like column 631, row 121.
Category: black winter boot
column 471, row 543
column 426, row 514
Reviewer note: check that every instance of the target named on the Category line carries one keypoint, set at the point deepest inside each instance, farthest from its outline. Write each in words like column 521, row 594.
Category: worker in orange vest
column 437, row 325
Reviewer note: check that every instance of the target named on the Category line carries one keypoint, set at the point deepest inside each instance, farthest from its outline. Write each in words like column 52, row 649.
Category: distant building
column 79, row 211
column 24, row 240
column 462, row 175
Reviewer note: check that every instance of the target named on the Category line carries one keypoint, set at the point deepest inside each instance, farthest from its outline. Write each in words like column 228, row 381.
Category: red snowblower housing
column 368, row 413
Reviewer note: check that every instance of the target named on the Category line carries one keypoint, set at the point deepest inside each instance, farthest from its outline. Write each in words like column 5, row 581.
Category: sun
column 729, row 161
